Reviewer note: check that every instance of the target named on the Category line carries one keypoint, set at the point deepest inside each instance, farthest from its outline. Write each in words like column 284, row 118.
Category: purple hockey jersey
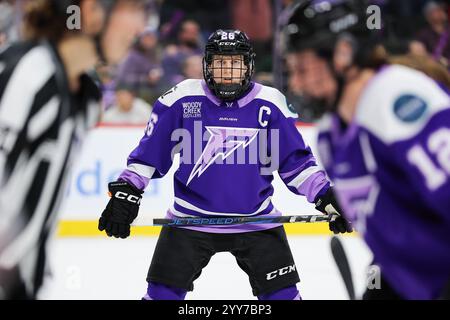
column 391, row 169
column 228, row 153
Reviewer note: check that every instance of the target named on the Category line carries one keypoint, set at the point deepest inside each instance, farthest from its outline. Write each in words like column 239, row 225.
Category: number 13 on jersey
column 438, row 144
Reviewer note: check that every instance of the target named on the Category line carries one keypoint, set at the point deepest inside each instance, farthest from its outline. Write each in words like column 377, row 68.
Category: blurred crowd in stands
column 171, row 48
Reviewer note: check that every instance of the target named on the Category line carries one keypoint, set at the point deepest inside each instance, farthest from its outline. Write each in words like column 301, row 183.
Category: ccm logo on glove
column 129, row 197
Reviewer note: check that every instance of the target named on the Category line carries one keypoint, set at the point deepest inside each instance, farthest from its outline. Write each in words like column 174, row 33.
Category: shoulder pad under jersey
column 398, row 102
column 189, row 87
column 278, row 99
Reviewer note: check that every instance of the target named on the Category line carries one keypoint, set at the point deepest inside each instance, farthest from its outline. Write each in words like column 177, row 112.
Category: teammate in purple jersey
column 386, row 146
column 232, row 134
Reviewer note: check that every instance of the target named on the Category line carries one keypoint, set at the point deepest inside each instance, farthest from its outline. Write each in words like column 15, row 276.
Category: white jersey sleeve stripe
column 303, row 176
column 142, row 170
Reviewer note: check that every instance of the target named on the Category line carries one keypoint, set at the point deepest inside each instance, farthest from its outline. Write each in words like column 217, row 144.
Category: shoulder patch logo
column 291, row 108
column 410, row 108
column 169, row 92
column 192, row 109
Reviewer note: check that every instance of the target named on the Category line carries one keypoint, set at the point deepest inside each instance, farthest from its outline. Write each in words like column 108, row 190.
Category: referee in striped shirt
column 47, row 103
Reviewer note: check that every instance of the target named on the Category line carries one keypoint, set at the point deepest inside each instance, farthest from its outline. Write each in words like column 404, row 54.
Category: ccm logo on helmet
column 280, row 272
column 227, row 43
column 129, row 197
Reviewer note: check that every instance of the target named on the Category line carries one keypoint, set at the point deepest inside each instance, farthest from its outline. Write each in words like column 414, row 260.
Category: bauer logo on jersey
column 409, row 108
column 192, row 109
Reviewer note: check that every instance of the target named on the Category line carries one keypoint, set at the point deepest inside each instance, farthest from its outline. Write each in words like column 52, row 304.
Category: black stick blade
column 340, row 258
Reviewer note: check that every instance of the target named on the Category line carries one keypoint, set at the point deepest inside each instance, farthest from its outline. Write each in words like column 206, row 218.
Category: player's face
column 315, row 75
column 228, row 69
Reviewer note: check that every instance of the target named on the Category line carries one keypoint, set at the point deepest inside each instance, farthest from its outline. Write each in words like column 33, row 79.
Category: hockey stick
column 240, row 220
column 337, row 249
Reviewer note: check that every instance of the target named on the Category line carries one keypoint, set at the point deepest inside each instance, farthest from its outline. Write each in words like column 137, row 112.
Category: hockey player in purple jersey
column 386, row 146
column 232, row 134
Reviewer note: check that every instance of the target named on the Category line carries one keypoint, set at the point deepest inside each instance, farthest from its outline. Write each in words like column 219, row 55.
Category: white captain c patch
column 263, row 114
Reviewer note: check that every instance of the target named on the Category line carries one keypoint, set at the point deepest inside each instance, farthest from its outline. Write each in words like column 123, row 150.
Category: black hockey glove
column 328, row 204
column 121, row 209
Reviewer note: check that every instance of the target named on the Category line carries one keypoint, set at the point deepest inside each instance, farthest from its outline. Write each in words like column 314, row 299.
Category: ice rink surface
column 104, row 269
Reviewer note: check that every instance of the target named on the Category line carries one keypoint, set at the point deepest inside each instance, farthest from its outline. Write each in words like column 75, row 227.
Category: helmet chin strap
column 231, row 89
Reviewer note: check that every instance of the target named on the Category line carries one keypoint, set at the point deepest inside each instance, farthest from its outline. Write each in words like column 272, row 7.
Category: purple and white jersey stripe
column 391, row 169
column 228, row 153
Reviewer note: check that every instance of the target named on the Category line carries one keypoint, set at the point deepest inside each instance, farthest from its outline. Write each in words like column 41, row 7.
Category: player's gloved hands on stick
column 328, row 204
column 121, row 209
